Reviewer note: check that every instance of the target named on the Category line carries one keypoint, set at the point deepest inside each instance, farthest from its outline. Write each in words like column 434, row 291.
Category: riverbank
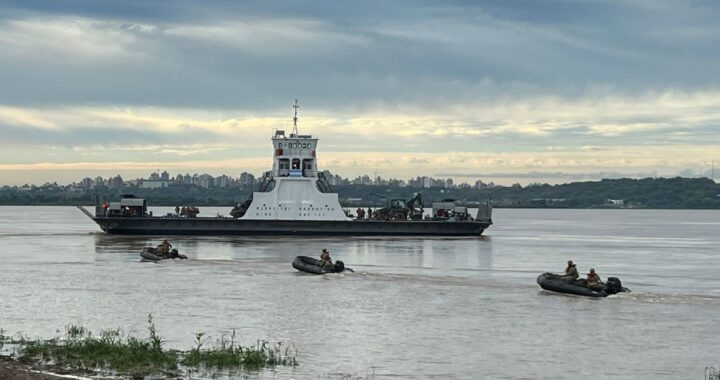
column 78, row 351
column 11, row 369
column 648, row 193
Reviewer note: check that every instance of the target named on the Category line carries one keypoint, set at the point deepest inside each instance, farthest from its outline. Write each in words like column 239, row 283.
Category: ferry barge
column 295, row 199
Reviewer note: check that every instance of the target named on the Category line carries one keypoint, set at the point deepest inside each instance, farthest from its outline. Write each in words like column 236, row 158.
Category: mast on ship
column 294, row 154
column 295, row 119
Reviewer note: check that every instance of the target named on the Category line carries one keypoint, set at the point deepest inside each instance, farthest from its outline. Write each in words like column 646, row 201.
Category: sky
column 499, row 90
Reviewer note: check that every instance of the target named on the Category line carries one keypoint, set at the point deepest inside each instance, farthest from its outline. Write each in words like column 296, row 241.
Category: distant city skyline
column 160, row 178
column 543, row 91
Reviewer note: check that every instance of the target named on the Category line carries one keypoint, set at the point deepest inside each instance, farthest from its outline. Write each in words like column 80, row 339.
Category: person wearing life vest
column 593, row 279
column 163, row 249
column 571, row 273
column 325, row 260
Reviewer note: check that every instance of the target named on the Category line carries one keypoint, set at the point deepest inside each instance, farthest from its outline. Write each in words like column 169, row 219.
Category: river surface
column 415, row 307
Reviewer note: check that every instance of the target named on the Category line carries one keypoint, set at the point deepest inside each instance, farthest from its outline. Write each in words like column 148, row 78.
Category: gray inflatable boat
column 312, row 265
column 151, row 254
column 554, row 283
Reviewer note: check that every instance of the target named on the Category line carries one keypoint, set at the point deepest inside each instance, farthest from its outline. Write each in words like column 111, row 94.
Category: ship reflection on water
column 391, row 252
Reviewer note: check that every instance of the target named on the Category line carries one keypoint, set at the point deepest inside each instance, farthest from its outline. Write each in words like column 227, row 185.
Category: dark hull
column 553, row 283
column 309, row 265
column 148, row 254
column 228, row 226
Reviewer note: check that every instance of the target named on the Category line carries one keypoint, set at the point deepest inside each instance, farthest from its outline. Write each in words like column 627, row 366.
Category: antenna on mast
column 295, row 119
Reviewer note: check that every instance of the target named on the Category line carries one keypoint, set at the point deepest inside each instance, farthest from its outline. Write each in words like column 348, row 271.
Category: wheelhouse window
column 296, row 163
column 283, row 167
column 307, row 168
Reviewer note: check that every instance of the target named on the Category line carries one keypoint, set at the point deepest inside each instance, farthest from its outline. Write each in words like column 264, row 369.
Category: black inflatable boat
column 150, row 254
column 554, row 283
column 312, row 265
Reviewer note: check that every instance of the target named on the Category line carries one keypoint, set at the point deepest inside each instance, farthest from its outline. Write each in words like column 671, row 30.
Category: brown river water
column 415, row 307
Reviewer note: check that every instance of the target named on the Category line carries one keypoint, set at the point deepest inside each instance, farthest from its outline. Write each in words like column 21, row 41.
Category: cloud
column 592, row 123
column 406, row 85
column 341, row 56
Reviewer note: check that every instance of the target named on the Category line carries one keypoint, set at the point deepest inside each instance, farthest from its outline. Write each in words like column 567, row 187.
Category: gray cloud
column 338, row 55
column 87, row 137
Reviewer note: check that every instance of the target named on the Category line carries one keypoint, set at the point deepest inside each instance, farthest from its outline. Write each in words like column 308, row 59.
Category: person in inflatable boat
column 571, row 273
column 163, row 248
column 325, row 260
column 593, row 279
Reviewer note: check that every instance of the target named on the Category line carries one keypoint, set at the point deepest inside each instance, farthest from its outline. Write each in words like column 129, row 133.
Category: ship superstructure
column 293, row 190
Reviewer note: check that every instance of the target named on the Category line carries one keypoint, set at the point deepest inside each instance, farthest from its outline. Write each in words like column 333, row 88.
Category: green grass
column 711, row 373
column 225, row 353
column 80, row 350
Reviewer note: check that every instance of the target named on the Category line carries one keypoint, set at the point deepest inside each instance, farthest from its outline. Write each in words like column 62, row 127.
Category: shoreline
column 12, row 369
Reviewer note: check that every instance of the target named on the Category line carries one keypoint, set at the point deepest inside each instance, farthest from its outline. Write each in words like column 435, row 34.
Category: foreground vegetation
column 711, row 373
column 673, row 193
column 111, row 352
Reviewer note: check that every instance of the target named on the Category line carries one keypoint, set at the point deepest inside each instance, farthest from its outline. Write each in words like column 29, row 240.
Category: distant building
column 205, row 180
column 156, row 181
column 247, row 180
column 117, row 182
column 222, row 181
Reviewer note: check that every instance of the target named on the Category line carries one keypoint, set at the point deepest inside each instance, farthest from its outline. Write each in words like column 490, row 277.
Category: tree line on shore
column 668, row 193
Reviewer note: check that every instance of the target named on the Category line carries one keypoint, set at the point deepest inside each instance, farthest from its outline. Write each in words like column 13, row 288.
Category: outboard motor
column 339, row 266
column 613, row 285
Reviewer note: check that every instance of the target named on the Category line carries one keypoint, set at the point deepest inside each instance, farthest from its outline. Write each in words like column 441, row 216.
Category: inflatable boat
column 150, row 254
column 312, row 265
column 554, row 283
